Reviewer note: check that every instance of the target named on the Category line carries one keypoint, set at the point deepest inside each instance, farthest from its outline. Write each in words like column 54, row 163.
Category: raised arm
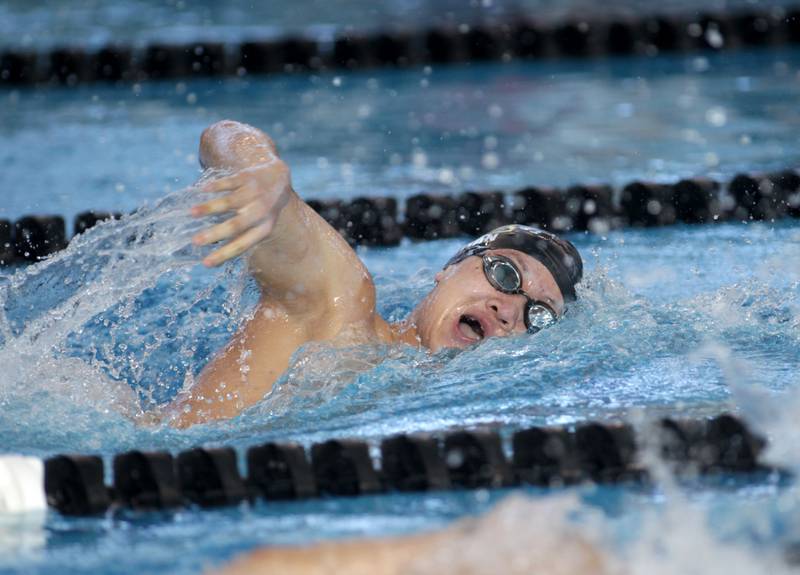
column 312, row 283
column 259, row 194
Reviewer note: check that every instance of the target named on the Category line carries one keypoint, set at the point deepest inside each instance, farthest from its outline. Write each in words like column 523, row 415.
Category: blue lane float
column 579, row 208
column 512, row 40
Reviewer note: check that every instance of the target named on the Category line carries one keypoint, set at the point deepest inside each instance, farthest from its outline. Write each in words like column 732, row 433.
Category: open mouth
column 470, row 328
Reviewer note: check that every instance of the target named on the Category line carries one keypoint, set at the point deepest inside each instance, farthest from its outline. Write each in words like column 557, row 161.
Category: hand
column 257, row 195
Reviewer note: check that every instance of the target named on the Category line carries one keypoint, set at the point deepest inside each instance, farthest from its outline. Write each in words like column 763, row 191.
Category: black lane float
column 579, row 208
column 518, row 39
column 454, row 459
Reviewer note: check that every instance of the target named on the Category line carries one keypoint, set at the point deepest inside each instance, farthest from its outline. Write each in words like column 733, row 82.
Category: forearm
column 230, row 145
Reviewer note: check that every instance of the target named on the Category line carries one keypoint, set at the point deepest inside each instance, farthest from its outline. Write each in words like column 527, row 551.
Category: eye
column 539, row 317
column 506, row 276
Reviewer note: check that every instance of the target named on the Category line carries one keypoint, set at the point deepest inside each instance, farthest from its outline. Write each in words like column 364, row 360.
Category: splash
column 98, row 333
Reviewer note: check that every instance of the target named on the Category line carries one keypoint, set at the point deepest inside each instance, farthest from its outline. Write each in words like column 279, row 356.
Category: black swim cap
column 559, row 256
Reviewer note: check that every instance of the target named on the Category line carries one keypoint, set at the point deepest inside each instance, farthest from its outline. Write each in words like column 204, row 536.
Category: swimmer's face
column 464, row 308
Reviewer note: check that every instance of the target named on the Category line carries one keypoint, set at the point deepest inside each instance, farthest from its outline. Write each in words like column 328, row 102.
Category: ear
column 438, row 277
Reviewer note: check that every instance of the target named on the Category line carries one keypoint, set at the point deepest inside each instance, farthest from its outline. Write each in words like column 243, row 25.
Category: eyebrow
column 522, row 264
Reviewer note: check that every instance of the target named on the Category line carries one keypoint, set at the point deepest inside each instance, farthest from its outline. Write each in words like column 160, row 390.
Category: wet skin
column 463, row 297
column 313, row 285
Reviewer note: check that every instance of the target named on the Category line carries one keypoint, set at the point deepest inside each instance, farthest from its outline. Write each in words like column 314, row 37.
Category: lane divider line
column 578, row 208
column 520, row 39
column 74, row 484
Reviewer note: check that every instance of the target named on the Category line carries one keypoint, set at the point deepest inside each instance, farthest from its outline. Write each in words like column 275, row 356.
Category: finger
column 223, row 184
column 229, row 228
column 239, row 245
column 216, row 206
column 227, row 203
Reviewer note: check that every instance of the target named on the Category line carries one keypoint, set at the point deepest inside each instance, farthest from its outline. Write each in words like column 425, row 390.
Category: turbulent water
column 671, row 320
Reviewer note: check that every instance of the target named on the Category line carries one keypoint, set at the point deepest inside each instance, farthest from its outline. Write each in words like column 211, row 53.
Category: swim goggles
column 503, row 275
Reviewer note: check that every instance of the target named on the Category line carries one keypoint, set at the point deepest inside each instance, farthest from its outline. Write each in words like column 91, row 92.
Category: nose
column 506, row 310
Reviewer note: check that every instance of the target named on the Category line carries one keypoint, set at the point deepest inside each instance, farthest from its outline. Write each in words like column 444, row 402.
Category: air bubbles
column 692, row 136
column 490, row 160
column 495, row 111
column 654, row 207
column 711, row 159
column 716, row 116
column 466, row 173
column 419, row 159
column 446, row 176
column 714, row 37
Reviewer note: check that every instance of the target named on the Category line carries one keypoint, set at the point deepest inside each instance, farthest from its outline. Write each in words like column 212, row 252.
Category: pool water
column 688, row 320
column 400, row 132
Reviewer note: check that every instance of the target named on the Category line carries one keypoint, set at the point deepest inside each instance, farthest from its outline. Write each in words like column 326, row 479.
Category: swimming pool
column 684, row 319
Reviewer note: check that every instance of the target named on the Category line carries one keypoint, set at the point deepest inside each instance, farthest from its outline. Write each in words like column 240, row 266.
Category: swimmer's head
column 509, row 281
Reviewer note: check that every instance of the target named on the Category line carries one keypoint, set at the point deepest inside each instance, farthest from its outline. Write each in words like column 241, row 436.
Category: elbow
column 210, row 138
column 217, row 128
column 227, row 144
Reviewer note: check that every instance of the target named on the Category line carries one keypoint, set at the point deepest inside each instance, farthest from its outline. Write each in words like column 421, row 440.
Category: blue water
column 688, row 320
column 401, row 132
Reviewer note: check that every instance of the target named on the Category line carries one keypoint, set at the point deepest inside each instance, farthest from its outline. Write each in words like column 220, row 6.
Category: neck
column 408, row 331
column 405, row 332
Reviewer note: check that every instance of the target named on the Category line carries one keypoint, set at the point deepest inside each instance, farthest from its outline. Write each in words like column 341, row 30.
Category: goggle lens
column 538, row 317
column 505, row 276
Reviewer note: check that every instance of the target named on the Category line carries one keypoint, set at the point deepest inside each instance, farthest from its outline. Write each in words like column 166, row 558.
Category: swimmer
column 314, row 287
column 520, row 536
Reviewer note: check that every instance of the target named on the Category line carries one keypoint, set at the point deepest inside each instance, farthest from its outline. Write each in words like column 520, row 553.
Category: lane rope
column 74, row 484
column 579, row 208
column 521, row 39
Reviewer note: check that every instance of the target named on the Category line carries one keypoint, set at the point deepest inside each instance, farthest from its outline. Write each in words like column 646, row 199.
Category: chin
column 449, row 337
